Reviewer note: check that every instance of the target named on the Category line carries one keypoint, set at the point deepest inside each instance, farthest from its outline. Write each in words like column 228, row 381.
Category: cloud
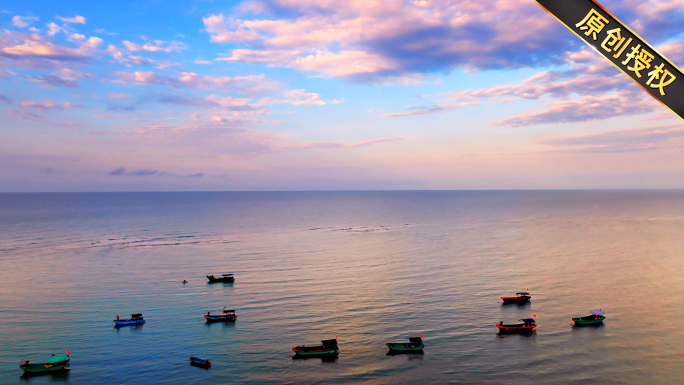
column 39, row 106
column 47, row 170
column 73, row 20
column 630, row 140
column 198, row 61
column 394, row 38
column 142, row 172
column 118, row 96
column 155, row 46
column 23, row 21
column 586, row 108
column 299, row 98
column 34, row 47
column 53, row 29
column 250, row 84
column 118, row 171
column 104, row 32
column 314, row 145
column 61, row 78
column 428, row 110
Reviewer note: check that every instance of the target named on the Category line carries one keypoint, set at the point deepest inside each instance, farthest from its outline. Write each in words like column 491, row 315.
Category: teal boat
column 326, row 348
column 413, row 345
column 596, row 317
column 53, row 364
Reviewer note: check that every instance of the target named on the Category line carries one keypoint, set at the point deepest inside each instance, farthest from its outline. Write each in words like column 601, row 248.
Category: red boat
column 519, row 298
column 527, row 325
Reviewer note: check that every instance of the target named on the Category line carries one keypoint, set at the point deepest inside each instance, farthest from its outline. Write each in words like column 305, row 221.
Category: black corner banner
column 624, row 48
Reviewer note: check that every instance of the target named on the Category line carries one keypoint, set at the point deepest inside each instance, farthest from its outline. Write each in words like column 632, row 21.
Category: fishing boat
column 136, row 319
column 412, row 345
column 527, row 325
column 225, row 278
column 596, row 317
column 520, row 297
column 225, row 316
column 200, row 363
column 53, row 364
column 326, row 348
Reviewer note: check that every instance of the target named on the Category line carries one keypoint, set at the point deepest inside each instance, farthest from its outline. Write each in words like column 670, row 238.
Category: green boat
column 326, row 348
column 413, row 345
column 596, row 317
column 53, row 364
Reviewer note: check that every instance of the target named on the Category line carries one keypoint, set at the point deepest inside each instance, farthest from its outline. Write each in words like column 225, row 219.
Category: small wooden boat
column 413, row 345
column 326, row 348
column 225, row 316
column 521, row 297
column 200, row 363
column 53, row 364
column 226, row 278
column 527, row 325
column 136, row 319
column 596, row 317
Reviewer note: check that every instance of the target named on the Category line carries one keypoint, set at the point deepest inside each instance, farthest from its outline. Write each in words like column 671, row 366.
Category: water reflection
column 590, row 329
column 132, row 328
column 56, row 376
column 327, row 359
column 516, row 305
column 226, row 325
column 412, row 356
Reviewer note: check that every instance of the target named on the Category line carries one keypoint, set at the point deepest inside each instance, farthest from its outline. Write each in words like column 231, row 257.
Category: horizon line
column 368, row 190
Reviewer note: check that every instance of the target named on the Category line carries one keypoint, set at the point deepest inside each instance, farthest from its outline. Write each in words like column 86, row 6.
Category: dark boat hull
column 588, row 321
column 515, row 328
column 400, row 347
column 129, row 322
column 221, row 279
column 219, row 319
column 515, row 299
column 321, row 353
column 45, row 367
column 200, row 363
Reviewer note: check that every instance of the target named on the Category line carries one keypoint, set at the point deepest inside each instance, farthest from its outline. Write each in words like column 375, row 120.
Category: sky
column 327, row 95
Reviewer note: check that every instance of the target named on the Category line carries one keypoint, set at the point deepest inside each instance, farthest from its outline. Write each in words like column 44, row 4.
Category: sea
column 365, row 267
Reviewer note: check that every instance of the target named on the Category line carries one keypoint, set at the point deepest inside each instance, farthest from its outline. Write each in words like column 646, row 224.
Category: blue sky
column 318, row 95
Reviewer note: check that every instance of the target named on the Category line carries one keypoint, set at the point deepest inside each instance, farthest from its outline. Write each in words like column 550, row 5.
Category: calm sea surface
column 368, row 267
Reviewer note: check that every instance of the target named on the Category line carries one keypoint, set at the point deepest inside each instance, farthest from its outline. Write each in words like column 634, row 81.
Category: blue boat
column 136, row 319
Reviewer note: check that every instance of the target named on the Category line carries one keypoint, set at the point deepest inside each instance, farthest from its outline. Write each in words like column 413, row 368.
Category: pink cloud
column 394, row 37
column 23, row 21
column 637, row 139
column 34, row 47
column 429, row 110
column 314, row 145
column 155, row 46
column 299, row 98
column 586, row 108
column 73, row 20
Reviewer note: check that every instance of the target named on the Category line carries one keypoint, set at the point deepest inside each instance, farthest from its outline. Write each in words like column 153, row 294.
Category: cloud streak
column 630, row 140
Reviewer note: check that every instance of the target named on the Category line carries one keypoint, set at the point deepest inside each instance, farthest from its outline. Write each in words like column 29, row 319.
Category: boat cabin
column 329, row 344
column 522, row 294
column 136, row 316
column 415, row 341
column 528, row 321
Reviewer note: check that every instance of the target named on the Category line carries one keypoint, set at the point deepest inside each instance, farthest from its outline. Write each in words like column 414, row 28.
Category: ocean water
column 368, row 267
